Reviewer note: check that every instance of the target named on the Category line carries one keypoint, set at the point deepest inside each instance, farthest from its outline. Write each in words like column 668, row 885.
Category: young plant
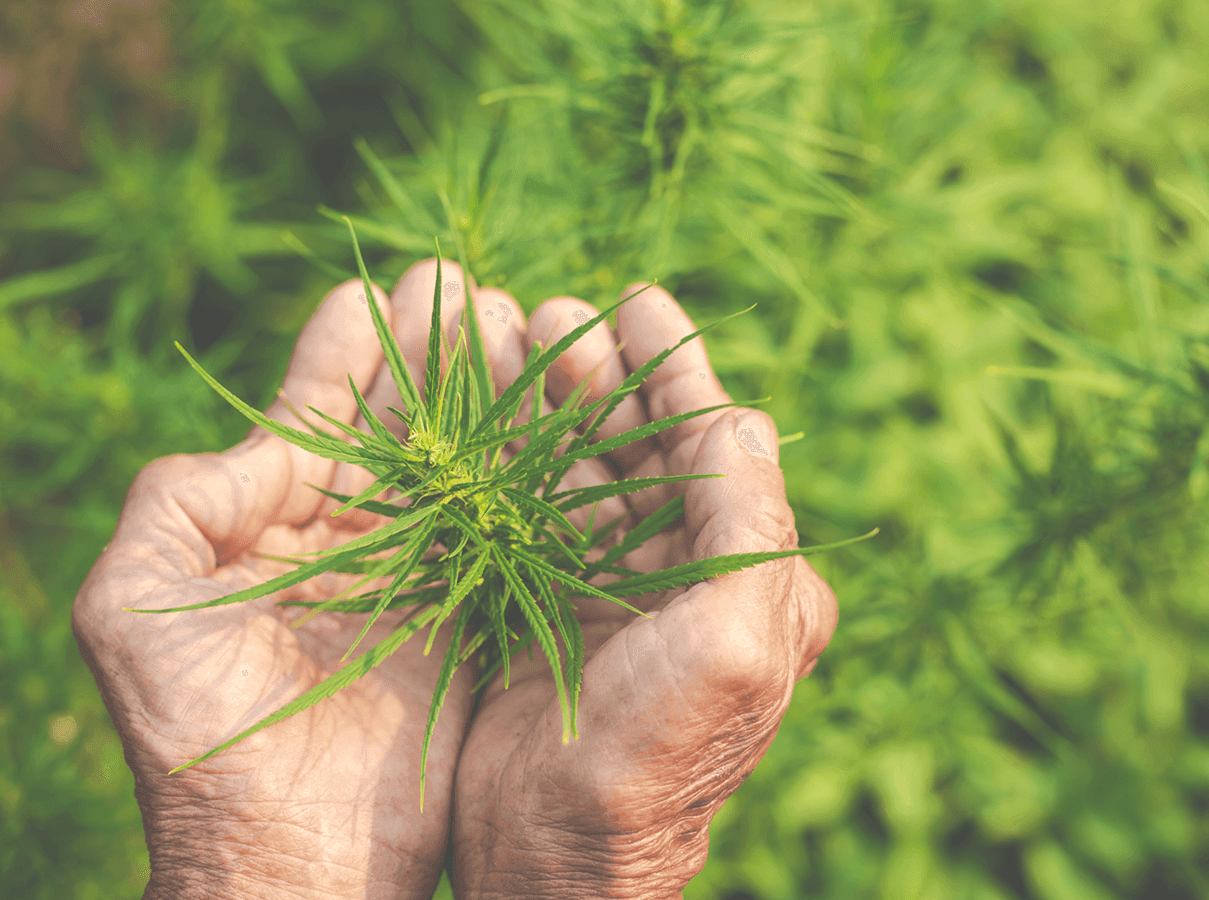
column 509, row 545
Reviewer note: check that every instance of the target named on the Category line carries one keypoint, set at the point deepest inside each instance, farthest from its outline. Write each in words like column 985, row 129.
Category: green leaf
column 432, row 376
column 378, row 486
column 600, row 535
column 480, row 364
column 567, row 578
column 363, row 603
column 541, row 445
column 377, row 570
column 537, row 504
column 368, row 441
column 639, row 375
column 451, row 416
column 468, row 397
column 390, row 347
column 497, row 606
column 497, row 439
column 574, row 673
column 517, row 389
column 438, row 698
column 384, row 434
column 582, row 496
column 634, row 434
column 664, row 517
column 326, row 446
column 374, row 506
column 420, row 542
column 456, row 594
column 545, row 636
column 712, row 566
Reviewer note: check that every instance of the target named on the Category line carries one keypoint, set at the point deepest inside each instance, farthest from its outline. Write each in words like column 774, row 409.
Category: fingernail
column 754, row 434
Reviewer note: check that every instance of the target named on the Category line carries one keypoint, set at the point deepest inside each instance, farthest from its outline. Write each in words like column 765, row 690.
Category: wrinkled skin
column 675, row 711
column 324, row 803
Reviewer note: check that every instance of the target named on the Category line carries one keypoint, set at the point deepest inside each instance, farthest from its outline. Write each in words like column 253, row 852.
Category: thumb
column 187, row 514
column 739, row 625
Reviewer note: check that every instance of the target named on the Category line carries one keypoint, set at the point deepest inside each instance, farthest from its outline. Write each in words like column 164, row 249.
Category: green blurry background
column 978, row 235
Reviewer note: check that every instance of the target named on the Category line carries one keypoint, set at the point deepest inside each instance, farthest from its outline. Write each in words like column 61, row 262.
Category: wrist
column 227, row 862
column 214, row 875
column 194, row 884
column 519, row 870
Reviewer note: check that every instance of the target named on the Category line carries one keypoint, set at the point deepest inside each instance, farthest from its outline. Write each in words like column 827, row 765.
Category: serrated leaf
column 383, row 433
column 539, row 505
column 711, row 567
column 545, row 637
column 432, row 375
column 390, row 347
column 327, row 446
column 456, row 594
column 582, row 496
column 438, row 698
column 421, row 547
column 528, row 375
column 664, row 517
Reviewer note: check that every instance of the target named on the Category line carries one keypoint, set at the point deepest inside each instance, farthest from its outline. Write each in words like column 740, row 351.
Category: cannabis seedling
column 515, row 560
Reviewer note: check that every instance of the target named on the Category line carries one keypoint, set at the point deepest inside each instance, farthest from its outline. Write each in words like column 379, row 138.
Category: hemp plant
column 514, row 562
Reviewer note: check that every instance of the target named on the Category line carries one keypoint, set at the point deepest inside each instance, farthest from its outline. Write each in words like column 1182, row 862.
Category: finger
column 412, row 299
column 267, row 475
column 593, row 358
column 411, row 317
column 186, row 514
column 501, row 324
column 508, row 339
column 647, row 325
column 765, row 622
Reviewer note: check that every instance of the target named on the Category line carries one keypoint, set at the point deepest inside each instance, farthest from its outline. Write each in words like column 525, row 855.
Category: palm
column 327, row 799
column 514, row 767
column 355, row 756
column 676, row 708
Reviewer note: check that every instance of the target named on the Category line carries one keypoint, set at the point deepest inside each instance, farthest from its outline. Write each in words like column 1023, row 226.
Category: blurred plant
column 1016, row 701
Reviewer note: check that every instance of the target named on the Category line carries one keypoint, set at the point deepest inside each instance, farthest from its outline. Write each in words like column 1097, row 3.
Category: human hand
column 675, row 711
column 323, row 803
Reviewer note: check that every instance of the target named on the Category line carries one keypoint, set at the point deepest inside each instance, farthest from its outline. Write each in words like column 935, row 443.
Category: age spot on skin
column 243, row 476
column 450, row 288
column 579, row 316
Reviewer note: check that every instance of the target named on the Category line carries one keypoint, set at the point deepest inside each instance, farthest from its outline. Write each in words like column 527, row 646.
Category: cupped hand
column 324, row 803
column 676, row 710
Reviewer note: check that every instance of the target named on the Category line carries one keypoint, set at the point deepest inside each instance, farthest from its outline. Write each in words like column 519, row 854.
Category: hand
column 677, row 710
column 324, row 803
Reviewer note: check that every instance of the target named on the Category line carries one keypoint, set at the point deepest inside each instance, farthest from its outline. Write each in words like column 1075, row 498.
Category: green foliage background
column 978, row 235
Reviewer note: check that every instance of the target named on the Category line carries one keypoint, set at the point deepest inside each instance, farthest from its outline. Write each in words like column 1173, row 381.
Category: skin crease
column 675, row 711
